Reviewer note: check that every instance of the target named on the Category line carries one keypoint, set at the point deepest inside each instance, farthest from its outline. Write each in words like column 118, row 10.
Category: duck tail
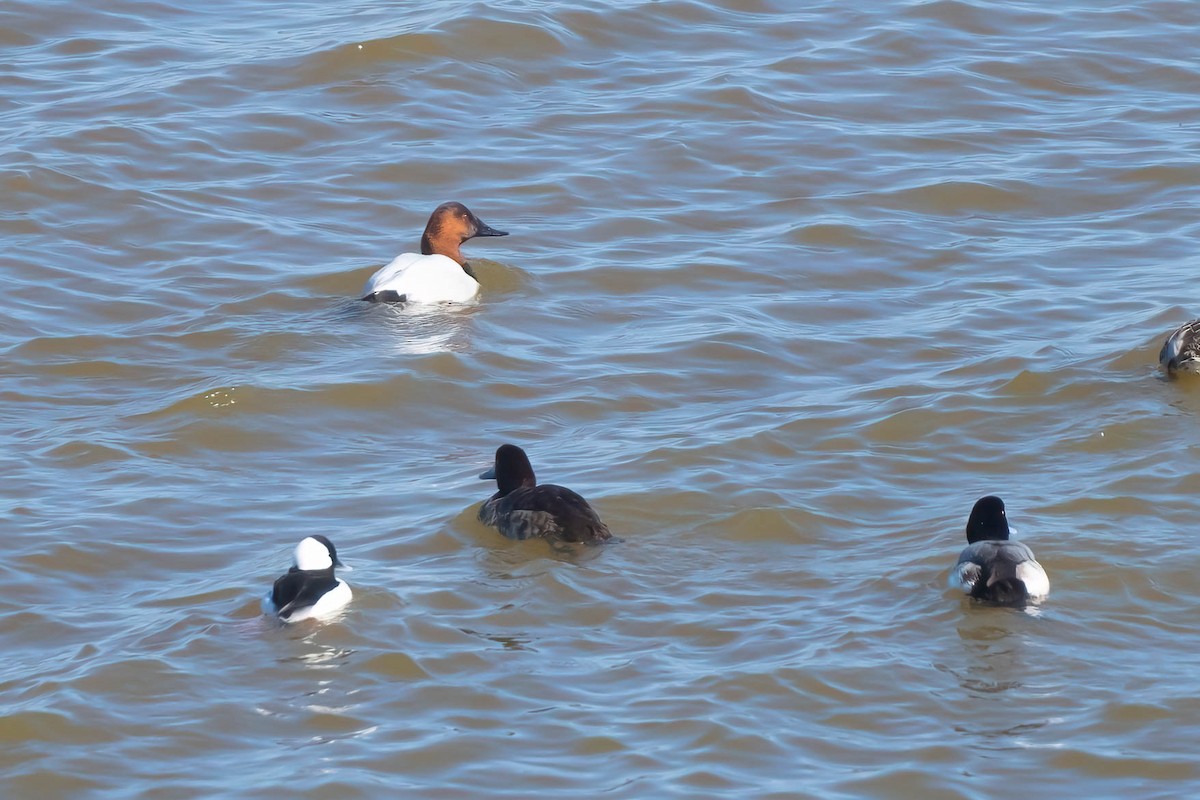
column 1007, row 592
column 1002, row 587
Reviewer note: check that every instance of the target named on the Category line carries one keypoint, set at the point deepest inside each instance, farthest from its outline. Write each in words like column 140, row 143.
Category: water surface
column 786, row 291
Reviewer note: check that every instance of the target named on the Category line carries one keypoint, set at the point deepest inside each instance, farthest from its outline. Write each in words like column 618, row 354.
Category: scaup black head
column 511, row 470
column 449, row 226
column 988, row 522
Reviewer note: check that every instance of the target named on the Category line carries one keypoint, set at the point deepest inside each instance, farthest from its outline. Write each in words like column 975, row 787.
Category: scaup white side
column 993, row 567
column 309, row 589
column 439, row 273
column 523, row 509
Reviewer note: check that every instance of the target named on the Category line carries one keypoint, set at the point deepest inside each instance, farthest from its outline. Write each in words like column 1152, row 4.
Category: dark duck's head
column 511, row 470
column 988, row 521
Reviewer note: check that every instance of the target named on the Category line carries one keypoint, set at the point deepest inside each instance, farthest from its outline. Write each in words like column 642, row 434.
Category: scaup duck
column 309, row 589
column 523, row 509
column 993, row 567
column 1181, row 350
column 439, row 273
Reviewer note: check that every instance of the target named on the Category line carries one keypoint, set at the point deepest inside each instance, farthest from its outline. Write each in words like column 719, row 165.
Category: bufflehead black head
column 333, row 556
column 988, row 522
column 316, row 553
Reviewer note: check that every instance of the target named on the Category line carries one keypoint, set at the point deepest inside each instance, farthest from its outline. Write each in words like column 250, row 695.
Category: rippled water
column 786, row 291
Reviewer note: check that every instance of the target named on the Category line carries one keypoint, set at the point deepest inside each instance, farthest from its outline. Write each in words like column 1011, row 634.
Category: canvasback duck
column 309, row 589
column 439, row 273
column 993, row 567
column 523, row 509
column 1181, row 350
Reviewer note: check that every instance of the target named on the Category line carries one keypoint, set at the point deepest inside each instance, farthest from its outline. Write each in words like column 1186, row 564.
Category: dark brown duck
column 523, row 509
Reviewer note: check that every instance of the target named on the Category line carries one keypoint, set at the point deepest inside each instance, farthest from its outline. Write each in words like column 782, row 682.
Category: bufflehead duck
column 522, row 509
column 992, row 567
column 439, row 273
column 1181, row 350
column 309, row 590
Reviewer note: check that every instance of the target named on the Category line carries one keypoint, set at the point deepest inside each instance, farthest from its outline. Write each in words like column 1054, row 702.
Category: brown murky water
column 786, row 291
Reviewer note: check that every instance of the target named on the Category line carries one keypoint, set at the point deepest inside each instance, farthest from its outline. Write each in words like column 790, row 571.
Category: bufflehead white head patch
column 316, row 552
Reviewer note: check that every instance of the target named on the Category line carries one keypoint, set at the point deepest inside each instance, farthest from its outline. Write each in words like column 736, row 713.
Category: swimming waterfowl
column 993, row 567
column 523, row 509
column 1181, row 350
column 439, row 273
column 309, row 589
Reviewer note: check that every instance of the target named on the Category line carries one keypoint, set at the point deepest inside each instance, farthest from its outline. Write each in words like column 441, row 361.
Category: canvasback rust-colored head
column 449, row 226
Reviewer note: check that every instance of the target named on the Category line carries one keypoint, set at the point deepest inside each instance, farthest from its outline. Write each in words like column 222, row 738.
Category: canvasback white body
column 424, row 279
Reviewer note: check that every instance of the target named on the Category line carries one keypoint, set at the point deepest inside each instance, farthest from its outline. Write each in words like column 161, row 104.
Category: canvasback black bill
column 484, row 229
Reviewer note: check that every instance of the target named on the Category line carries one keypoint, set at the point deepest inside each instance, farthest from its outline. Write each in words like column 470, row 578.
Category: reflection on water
column 320, row 656
column 994, row 657
column 509, row 641
column 509, row 560
column 423, row 329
